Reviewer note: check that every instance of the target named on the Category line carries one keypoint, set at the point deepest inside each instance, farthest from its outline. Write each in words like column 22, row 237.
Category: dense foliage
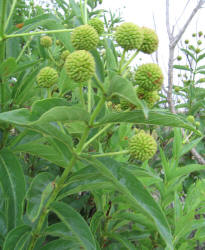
column 90, row 156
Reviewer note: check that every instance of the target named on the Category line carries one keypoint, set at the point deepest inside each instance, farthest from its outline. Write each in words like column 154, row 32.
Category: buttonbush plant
column 89, row 158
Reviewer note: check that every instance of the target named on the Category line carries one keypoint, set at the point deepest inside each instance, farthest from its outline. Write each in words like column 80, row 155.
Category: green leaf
column 187, row 147
column 124, row 242
column 75, row 223
column 99, row 65
column 155, row 118
column 44, row 112
column 13, row 184
column 96, row 220
column 46, row 152
column 110, row 56
column 86, row 179
column 123, row 88
column 17, row 236
column 187, row 52
column 8, row 67
column 181, row 67
column 186, row 170
column 127, row 184
column 3, row 224
column 38, row 193
column 61, row 245
column 59, row 230
column 200, row 57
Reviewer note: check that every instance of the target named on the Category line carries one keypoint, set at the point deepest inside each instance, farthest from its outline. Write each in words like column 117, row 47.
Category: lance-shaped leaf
column 45, row 111
column 13, row 185
column 157, row 117
column 75, row 222
column 38, row 193
column 17, row 238
column 135, row 193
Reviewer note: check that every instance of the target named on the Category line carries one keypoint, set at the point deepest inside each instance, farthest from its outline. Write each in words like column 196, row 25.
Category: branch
column 167, row 21
column 198, row 157
column 181, row 32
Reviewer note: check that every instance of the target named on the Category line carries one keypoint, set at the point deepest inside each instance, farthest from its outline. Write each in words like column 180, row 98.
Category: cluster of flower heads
column 132, row 37
column 80, row 64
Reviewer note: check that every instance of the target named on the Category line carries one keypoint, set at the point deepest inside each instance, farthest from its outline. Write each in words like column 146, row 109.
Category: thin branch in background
column 173, row 41
column 155, row 28
column 180, row 16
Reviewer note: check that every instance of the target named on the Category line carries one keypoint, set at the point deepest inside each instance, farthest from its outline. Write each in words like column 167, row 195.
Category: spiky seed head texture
column 47, row 77
column 97, row 24
column 142, row 146
column 150, row 41
column 149, row 76
column 191, row 119
column 46, row 41
column 80, row 66
column 129, row 36
column 84, row 37
column 64, row 54
column 150, row 97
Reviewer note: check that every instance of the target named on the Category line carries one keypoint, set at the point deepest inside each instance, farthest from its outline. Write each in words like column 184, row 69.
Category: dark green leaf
column 123, row 88
column 13, row 184
column 127, row 184
column 7, row 67
column 61, row 245
column 14, row 237
column 155, row 118
column 75, row 223
column 38, row 193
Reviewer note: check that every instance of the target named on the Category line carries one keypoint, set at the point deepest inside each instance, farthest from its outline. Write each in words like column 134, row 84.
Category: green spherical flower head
column 179, row 58
column 80, row 66
column 200, row 33
column 97, row 24
column 191, row 119
column 64, row 54
column 47, row 77
column 129, row 36
column 84, row 37
column 149, row 76
column 150, row 41
column 46, row 41
column 150, row 97
column 142, row 146
column 197, row 124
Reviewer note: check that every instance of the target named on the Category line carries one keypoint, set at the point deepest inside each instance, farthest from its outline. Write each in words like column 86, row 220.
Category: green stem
column 95, row 136
column 52, row 58
column 85, row 12
column 49, row 93
column 10, row 14
column 62, row 179
column 100, row 85
column 23, row 50
column 122, row 60
column 81, row 96
column 129, row 61
column 3, row 14
column 2, row 94
column 82, row 12
column 112, row 153
column 97, row 110
column 89, row 97
column 38, row 33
